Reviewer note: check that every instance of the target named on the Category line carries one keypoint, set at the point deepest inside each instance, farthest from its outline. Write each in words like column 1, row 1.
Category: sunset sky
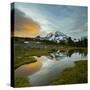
column 32, row 20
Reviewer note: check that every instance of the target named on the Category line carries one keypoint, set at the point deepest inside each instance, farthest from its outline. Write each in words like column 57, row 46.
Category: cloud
column 67, row 19
column 25, row 26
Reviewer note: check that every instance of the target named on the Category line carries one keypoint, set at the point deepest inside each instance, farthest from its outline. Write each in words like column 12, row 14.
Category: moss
column 74, row 75
column 21, row 82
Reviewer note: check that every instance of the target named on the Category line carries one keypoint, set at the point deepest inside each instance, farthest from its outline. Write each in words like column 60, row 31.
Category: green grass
column 21, row 82
column 24, row 55
column 74, row 75
column 23, row 60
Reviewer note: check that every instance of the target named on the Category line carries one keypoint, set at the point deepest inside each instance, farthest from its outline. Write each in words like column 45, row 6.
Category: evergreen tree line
column 83, row 42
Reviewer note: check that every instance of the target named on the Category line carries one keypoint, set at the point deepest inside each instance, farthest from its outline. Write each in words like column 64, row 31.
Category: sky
column 32, row 20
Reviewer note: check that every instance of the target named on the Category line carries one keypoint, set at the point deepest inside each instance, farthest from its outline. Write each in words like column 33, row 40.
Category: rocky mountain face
column 56, row 37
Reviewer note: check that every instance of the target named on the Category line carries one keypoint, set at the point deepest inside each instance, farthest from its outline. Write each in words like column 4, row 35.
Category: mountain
column 56, row 37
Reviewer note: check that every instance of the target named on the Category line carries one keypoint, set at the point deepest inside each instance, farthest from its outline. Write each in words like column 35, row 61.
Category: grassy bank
column 22, row 50
column 21, row 82
column 23, row 60
column 24, row 55
column 74, row 75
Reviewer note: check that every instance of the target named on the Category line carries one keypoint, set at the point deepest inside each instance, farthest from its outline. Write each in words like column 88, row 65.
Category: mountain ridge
column 56, row 37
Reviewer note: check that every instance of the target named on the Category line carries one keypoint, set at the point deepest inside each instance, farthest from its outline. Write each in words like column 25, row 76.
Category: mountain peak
column 57, row 36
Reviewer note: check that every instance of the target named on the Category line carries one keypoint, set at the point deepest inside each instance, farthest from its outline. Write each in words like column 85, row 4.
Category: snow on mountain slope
column 57, row 37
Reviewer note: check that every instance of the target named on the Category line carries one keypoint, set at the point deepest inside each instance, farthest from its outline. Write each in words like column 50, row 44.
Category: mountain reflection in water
column 53, row 66
column 47, row 68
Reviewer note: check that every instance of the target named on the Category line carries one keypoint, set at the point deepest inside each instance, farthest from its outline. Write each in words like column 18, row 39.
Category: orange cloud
column 30, row 29
column 24, row 26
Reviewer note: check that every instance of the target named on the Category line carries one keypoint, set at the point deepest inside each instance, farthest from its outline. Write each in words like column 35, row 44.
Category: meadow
column 24, row 55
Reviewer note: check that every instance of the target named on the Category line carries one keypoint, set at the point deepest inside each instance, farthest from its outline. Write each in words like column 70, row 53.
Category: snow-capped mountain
column 57, row 37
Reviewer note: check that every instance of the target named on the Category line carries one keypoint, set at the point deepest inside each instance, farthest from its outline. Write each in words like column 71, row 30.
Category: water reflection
column 47, row 68
column 61, row 54
column 54, row 64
